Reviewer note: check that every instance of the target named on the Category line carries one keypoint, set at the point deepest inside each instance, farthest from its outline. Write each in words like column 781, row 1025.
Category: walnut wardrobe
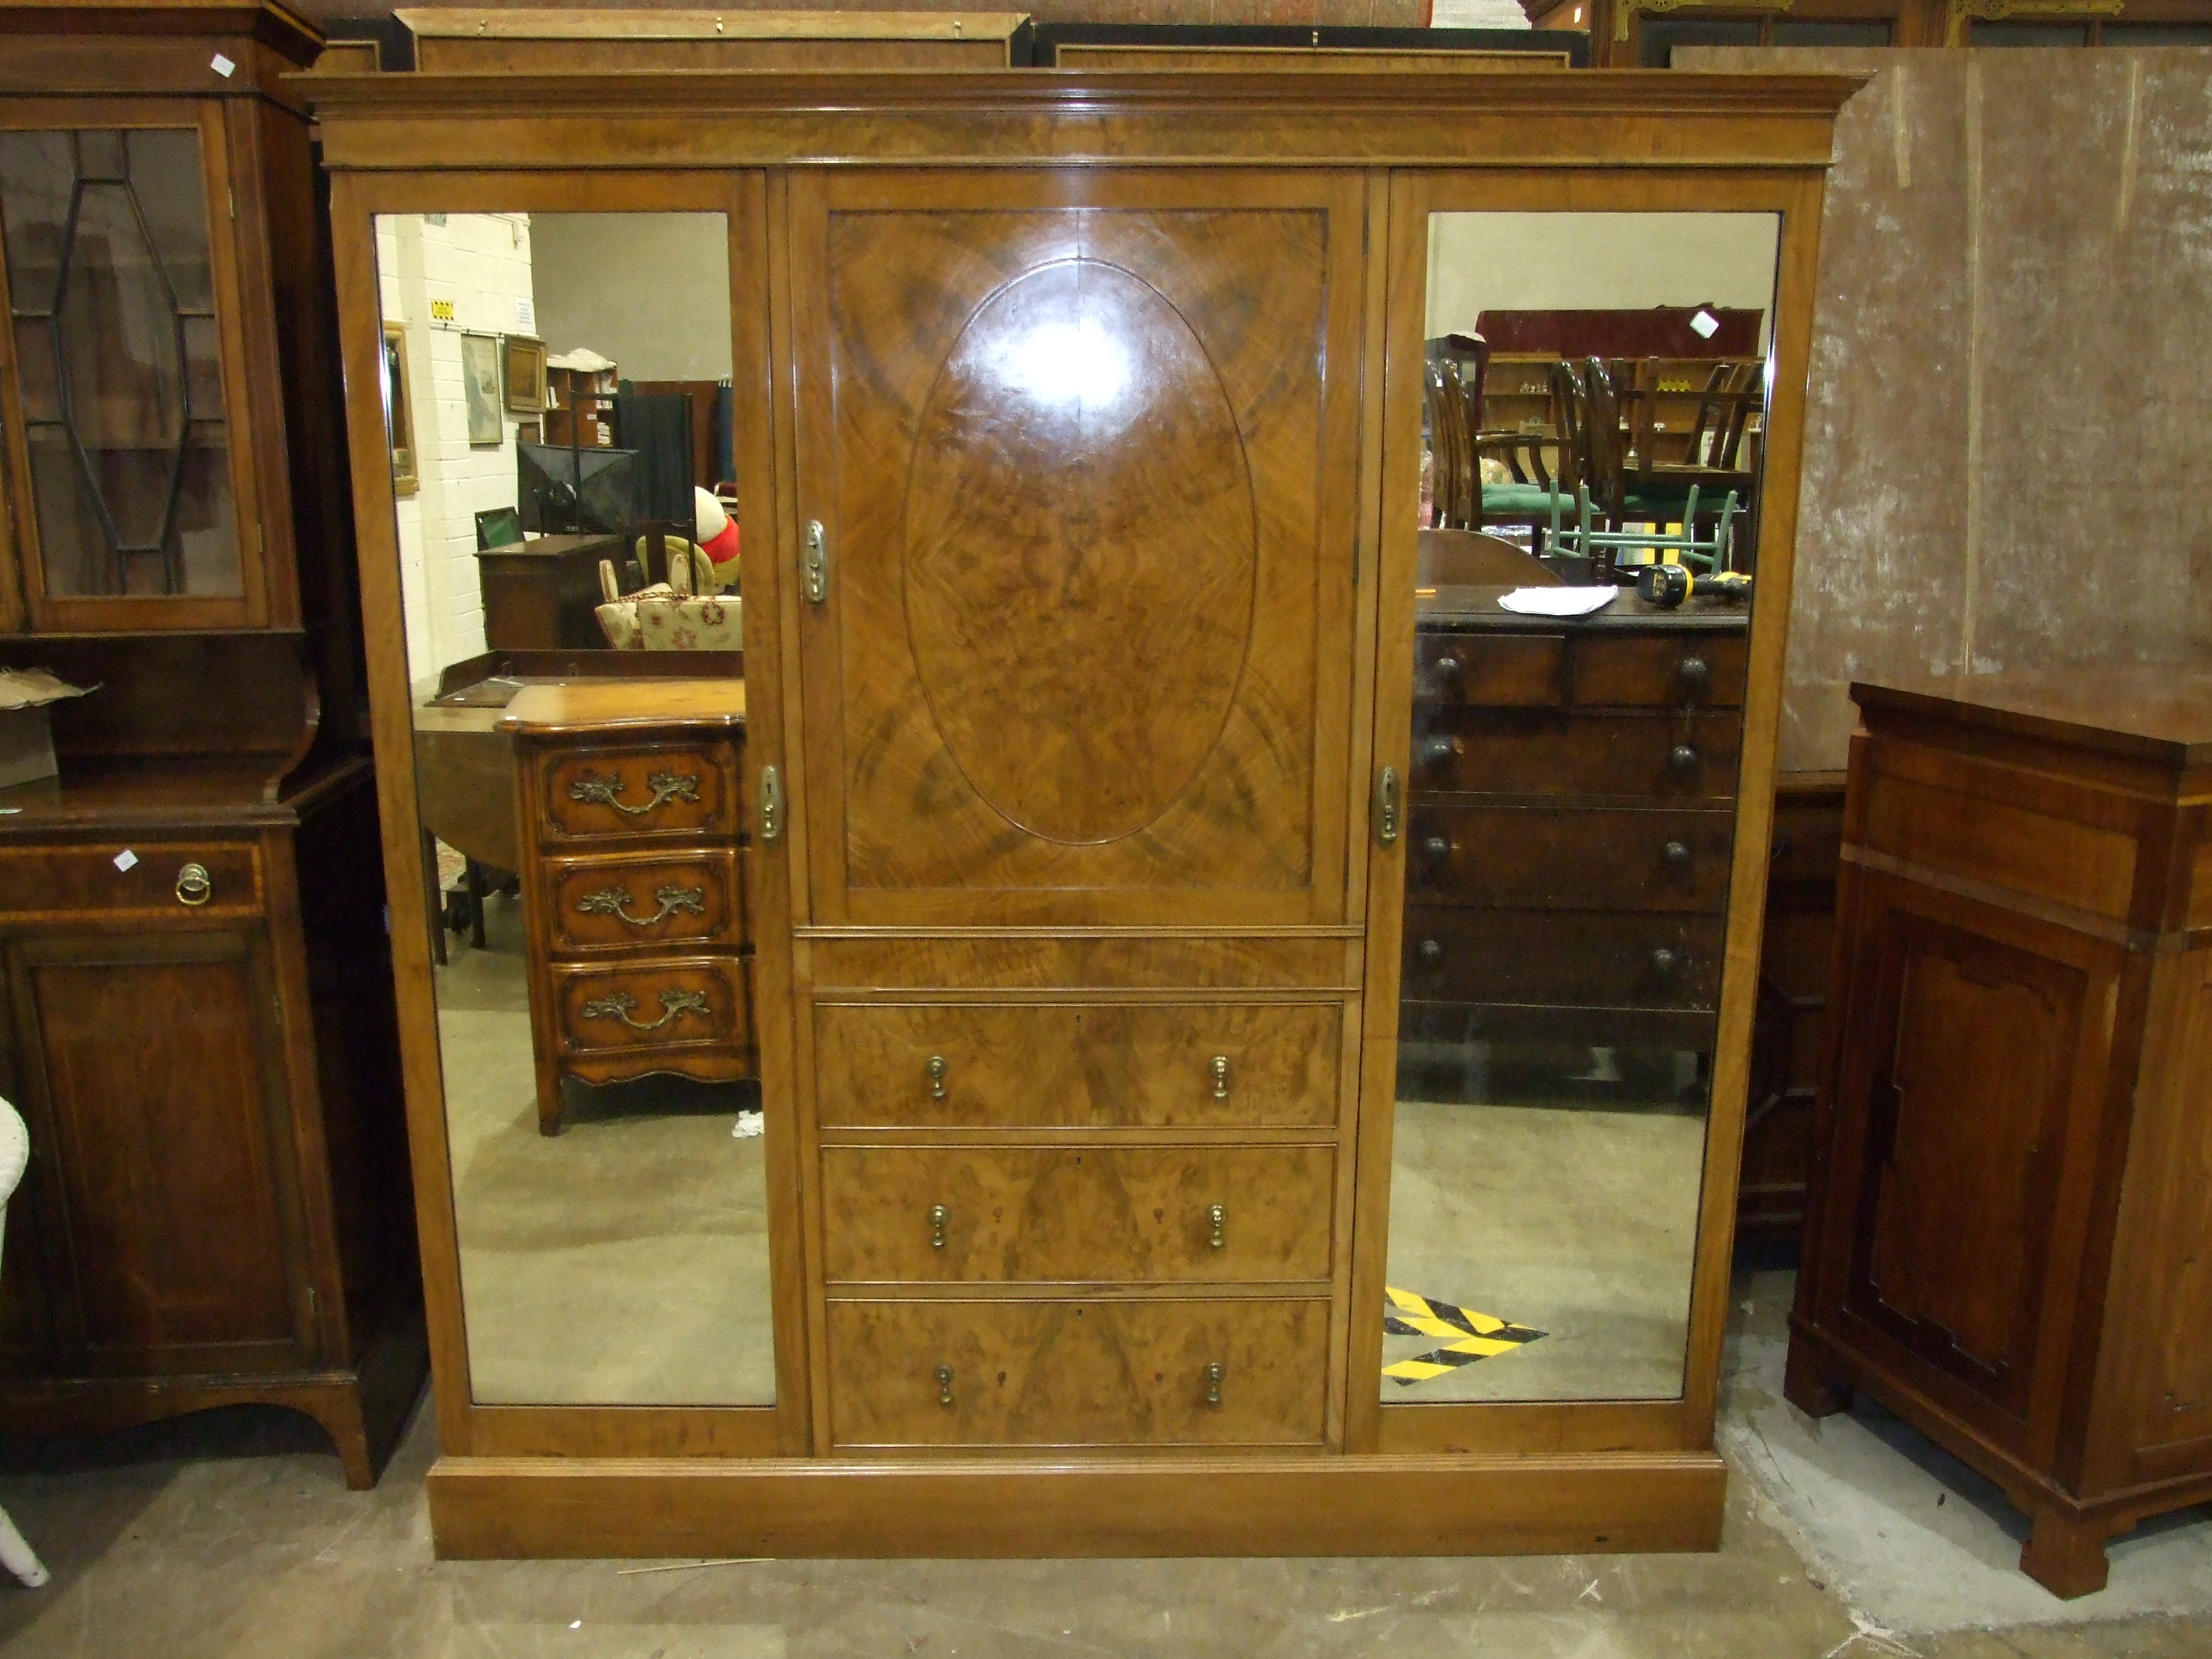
column 1106, row 1200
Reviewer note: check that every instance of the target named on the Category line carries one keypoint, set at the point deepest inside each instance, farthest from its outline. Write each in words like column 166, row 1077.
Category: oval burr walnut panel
column 1120, row 1373
column 1088, row 492
column 1079, row 504
column 1085, row 1065
column 1077, row 1214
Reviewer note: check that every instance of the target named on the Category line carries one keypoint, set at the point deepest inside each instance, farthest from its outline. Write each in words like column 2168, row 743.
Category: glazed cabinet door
column 162, row 1185
column 123, row 434
column 1076, row 506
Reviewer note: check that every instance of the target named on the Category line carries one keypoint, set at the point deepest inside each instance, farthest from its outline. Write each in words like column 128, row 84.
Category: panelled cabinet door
column 1967, row 1120
column 163, row 1175
column 125, row 459
column 1077, row 474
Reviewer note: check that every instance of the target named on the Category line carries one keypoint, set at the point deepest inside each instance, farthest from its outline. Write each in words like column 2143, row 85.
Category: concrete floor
column 623, row 1261
column 233, row 1535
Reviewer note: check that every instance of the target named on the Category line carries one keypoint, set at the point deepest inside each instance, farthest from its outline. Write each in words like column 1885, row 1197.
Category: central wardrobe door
column 1082, row 452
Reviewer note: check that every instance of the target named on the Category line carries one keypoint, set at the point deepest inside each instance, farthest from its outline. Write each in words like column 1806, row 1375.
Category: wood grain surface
column 1080, row 1065
column 1085, row 1214
column 1076, row 1373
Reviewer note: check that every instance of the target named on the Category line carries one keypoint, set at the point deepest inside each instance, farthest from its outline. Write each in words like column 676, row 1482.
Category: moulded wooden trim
column 1533, row 1427
column 1312, row 1503
column 628, row 1431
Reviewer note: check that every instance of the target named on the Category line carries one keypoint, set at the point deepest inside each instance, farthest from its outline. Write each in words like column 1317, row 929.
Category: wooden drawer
column 1703, row 670
column 1571, row 859
column 1491, row 669
column 1077, row 1214
column 681, row 1003
column 82, row 879
column 595, row 905
column 639, row 792
column 1553, row 752
column 1602, row 959
column 1078, row 1373
column 1084, row 1066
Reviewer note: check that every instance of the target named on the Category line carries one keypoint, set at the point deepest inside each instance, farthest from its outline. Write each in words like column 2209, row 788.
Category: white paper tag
column 126, row 859
column 525, row 315
column 1705, row 324
column 222, row 65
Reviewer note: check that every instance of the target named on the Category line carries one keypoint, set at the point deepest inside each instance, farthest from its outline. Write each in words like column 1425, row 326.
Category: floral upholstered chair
column 681, row 614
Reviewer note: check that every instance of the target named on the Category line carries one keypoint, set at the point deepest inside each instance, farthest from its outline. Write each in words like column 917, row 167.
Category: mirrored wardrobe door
column 560, row 430
column 1594, row 393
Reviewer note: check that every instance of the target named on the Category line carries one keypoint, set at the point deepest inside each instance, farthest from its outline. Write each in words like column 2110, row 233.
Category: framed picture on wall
column 524, row 369
column 480, row 386
column 399, row 413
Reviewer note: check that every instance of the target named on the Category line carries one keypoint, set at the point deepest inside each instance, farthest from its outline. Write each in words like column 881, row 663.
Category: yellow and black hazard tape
column 1468, row 1335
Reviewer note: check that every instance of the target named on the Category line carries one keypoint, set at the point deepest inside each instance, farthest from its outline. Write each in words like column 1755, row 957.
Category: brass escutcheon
column 1213, row 1383
column 945, row 1385
column 940, row 1219
column 1217, row 1216
column 1220, row 1068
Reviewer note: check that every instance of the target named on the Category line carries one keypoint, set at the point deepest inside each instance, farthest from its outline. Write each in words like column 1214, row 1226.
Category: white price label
column 222, row 65
column 1706, row 325
column 126, row 859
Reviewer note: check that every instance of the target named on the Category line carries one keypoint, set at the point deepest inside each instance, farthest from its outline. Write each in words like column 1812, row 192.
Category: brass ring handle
column 596, row 791
column 1217, row 1218
column 194, row 886
column 945, row 1385
column 940, row 1219
column 936, row 1069
column 1213, row 1383
column 614, row 902
column 673, row 1006
column 1219, row 1069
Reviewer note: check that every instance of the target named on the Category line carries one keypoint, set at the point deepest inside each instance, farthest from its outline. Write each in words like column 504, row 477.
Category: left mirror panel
column 558, row 396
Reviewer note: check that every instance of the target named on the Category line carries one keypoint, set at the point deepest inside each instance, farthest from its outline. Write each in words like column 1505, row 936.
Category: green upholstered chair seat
column 1524, row 501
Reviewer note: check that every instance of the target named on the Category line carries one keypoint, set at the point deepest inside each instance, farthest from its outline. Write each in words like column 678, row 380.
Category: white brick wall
column 481, row 263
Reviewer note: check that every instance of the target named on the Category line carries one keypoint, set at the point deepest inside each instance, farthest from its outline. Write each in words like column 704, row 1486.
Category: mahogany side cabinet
column 2009, row 1240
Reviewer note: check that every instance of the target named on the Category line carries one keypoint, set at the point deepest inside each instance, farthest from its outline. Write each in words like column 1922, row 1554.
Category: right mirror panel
column 1595, row 396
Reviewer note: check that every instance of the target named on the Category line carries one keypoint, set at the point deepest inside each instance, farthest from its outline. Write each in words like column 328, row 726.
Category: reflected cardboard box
column 27, row 724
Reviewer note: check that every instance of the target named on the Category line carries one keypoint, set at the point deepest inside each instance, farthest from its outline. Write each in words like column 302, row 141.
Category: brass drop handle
column 1431, row 953
column 1682, row 760
column 940, row 1219
column 936, row 1069
column 945, row 1385
column 1213, row 1383
column 594, row 790
column 194, row 886
column 1217, row 1218
column 1677, row 855
column 1219, row 1070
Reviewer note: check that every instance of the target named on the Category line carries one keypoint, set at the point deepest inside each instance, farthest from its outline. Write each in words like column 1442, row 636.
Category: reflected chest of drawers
column 1571, row 819
column 2009, row 1241
column 631, row 818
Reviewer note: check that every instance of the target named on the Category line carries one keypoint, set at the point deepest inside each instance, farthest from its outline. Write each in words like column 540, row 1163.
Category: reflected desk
column 617, row 796
column 1572, row 811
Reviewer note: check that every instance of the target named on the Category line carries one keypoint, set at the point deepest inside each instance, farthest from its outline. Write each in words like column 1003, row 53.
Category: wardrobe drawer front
column 1706, row 671
column 651, row 790
column 1601, row 959
column 1077, row 1214
column 1551, row 752
column 169, row 880
column 682, row 1003
column 621, row 904
column 1078, row 1373
column 1571, row 859
column 1083, row 1066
